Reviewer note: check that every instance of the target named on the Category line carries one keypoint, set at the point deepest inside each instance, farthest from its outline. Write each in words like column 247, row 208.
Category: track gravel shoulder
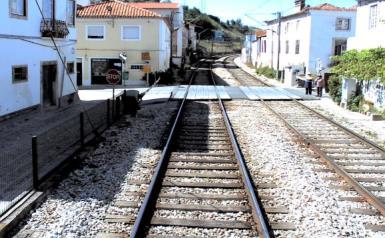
column 79, row 205
column 273, row 156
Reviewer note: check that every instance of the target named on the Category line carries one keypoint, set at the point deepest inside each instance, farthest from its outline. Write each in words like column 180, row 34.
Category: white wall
column 365, row 37
column 316, row 32
column 19, row 39
column 323, row 33
column 164, row 46
column 178, row 16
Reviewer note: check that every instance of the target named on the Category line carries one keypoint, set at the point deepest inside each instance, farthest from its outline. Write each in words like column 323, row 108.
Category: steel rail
column 263, row 227
column 148, row 205
column 367, row 195
column 370, row 197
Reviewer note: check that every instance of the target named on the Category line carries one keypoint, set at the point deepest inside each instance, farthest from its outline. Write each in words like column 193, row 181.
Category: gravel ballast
column 272, row 155
column 78, row 206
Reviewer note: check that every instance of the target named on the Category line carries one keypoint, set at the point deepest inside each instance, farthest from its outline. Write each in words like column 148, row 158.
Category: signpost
column 113, row 77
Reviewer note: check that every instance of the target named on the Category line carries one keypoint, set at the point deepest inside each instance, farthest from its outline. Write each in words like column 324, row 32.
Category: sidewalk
column 359, row 123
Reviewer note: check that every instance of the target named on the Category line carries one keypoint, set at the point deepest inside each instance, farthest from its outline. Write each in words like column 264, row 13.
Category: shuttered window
column 95, row 32
column 130, row 33
column 71, row 12
column 18, row 7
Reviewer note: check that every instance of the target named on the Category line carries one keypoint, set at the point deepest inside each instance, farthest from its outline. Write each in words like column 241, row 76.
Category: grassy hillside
column 234, row 30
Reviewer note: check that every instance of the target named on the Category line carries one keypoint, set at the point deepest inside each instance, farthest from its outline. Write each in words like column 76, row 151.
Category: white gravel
column 314, row 208
column 78, row 206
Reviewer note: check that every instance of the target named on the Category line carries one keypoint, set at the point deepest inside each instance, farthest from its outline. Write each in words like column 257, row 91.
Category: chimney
column 299, row 5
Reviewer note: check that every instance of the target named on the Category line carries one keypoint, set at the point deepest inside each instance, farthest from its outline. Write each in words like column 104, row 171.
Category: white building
column 309, row 37
column 370, row 29
column 259, row 49
column 247, row 47
column 174, row 12
column 31, row 71
column 370, row 33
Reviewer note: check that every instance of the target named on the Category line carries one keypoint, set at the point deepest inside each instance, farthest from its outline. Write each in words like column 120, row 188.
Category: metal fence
column 25, row 168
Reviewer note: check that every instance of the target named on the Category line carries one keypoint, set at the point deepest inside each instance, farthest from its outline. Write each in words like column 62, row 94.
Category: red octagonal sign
column 113, row 76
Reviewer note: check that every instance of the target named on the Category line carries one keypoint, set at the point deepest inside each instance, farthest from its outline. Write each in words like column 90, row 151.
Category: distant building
column 370, row 33
column 111, row 31
column 31, row 71
column 247, row 47
column 309, row 37
column 259, row 49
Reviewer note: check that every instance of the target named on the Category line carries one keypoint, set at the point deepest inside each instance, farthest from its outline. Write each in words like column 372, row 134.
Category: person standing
column 320, row 82
column 308, row 84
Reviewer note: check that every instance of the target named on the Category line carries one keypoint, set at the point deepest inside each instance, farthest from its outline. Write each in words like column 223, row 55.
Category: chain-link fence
column 220, row 47
column 22, row 169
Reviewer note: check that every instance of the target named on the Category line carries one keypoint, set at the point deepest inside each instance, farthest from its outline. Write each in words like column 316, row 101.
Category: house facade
column 370, row 31
column 308, row 38
column 175, row 14
column 36, row 78
column 259, row 49
column 247, row 47
column 117, row 35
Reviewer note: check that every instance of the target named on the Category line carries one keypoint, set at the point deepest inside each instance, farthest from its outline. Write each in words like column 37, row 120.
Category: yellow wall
column 113, row 45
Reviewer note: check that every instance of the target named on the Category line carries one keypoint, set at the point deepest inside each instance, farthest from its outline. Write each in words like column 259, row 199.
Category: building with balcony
column 31, row 66
column 118, row 35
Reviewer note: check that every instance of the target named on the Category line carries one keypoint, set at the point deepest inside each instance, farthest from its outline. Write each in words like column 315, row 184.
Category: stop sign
column 113, row 76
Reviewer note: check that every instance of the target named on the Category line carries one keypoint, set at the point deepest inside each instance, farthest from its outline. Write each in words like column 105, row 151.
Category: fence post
column 124, row 102
column 82, row 129
column 108, row 112
column 117, row 108
column 35, row 171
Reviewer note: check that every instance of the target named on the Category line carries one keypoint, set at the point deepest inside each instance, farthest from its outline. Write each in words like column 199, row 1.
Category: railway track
column 201, row 186
column 356, row 161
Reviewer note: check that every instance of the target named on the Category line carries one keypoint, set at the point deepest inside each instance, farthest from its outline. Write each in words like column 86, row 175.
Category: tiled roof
column 118, row 9
column 330, row 7
column 155, row 5
column 322, row 7
column 260, row 33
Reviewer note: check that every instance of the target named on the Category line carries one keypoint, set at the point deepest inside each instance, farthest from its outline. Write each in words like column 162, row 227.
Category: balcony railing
column 55, row 28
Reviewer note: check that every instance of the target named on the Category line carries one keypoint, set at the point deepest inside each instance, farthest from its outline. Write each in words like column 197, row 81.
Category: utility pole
column 171, row 37
column 279, row 42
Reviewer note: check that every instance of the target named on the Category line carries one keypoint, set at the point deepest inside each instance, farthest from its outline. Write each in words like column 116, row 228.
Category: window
column 287, row 47
column 373, row 16
column 137, row 67
column 287, row 27
column 297, row 44
column 49, row 9
column 95, row 32
column 339, row 46
column 130, row 33
column 19, row 73
column 71, row 12
column 297, row 25
column 343, row 24
column 18, row 8
column 71, row 67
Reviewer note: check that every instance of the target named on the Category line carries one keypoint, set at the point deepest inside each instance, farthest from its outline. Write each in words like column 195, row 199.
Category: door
column 49, row 74
column 79, row 72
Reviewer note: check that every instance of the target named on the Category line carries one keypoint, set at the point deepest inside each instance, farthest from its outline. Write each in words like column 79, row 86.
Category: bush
column 355, row 103
column 335, row 88
column 266, row 71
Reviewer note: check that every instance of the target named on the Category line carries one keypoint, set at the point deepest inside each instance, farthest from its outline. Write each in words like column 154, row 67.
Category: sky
column 254, row 12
